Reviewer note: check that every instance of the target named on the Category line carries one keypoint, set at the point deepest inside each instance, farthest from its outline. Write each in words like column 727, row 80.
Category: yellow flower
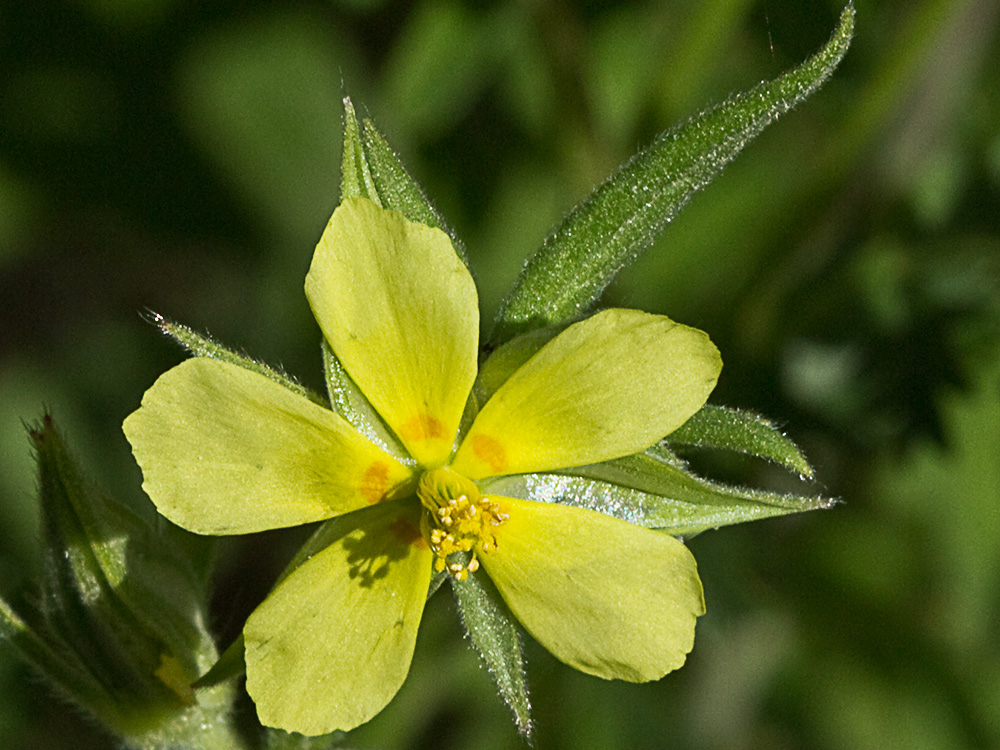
column 225, row 450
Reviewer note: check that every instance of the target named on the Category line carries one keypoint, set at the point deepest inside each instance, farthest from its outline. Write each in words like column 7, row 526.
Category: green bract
column 226, row 449
column 118, row 625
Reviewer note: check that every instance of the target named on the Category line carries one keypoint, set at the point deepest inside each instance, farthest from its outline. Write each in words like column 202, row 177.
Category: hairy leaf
column 623, row 216
column 741, row 431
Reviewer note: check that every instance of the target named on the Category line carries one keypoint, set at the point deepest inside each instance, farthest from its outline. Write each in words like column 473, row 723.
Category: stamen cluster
column 458, row 519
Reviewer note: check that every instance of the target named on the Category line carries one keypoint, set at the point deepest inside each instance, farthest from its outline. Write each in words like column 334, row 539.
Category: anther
column 459, row 519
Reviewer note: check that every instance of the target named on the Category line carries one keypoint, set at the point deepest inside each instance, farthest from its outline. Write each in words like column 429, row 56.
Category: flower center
column 458, row 520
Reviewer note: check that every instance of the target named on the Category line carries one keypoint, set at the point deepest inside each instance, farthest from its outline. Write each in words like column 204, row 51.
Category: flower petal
column 224, row 450
column 606, row 597
column 606, row 387
column 400, row 311
column 332, row 644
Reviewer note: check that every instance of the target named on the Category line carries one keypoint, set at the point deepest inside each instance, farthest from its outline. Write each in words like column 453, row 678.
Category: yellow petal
column 332, row 644
column 400, row 311
column 606, row 387
column 606, row 597
column 224, row 450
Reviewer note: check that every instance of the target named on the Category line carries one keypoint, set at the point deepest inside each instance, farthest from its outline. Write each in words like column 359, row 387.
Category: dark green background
column 183, row 157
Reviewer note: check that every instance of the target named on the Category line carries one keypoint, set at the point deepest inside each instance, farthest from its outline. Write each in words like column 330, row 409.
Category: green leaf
column 624, row 215
column 507, row 359
column 655, row 490
column 494, row 635
column 201, row 345
column 741, row 431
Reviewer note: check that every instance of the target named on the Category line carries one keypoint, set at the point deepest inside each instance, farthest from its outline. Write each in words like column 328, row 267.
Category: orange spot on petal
column 407, row 533
column 375, row 482
column 490, row 451
column 422, row 427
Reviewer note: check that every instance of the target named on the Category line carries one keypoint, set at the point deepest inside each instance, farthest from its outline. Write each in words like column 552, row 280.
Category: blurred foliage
column 183, row 156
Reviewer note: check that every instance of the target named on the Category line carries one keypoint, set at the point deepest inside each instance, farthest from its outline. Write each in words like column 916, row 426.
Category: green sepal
column 505, row 360
column 437, row 580
column 743, row 432
column 230, row 664
column 123, row 611
column 624, row 215
column 370, row 169
column 656, row 490
column 349, row 402
column 355, row 177
column 399, row 191
column 495, row 636
column 201, row 345
column 279, row 739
